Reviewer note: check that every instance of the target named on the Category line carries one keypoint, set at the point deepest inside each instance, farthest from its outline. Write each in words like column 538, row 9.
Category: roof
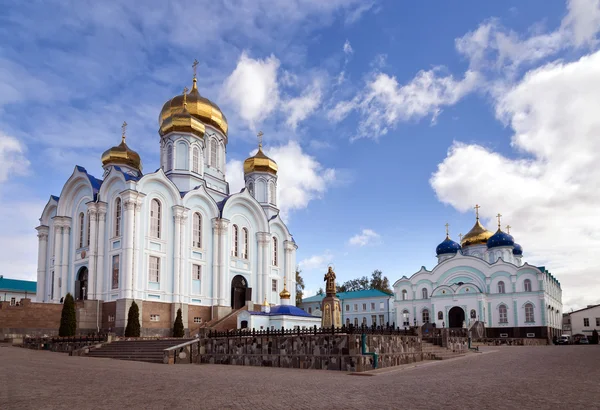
column 278, row 310
column 585, row 308
column 17, row 285
column 357, row 294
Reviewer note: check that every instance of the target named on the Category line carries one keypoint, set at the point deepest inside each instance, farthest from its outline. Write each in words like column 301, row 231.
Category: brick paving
column 501, row 377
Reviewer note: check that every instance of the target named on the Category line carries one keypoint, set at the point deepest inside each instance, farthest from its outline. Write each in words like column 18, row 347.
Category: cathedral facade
column 169, row 239
column 482, row 279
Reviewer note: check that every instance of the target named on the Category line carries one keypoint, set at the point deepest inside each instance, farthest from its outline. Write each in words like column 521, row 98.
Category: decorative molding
column 263, row 237
column 129, row 204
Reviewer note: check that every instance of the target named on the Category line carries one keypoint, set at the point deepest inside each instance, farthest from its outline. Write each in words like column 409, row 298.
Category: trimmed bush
column 178, row 330
column 68, row 319
column 133, row 321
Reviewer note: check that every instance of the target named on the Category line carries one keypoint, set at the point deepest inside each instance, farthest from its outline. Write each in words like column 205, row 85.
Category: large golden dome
column 478, row 235
column 260, row 163
column 199, row 107
column 182, row 121
column 122, row 154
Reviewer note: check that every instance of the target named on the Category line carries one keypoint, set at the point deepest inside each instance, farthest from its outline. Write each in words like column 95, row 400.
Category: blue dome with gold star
column 447, row 246
column 500, row 239
column 518, row 250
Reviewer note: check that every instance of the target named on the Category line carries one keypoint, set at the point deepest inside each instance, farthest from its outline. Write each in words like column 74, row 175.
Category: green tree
column 594, row 340
column 320, row 292
column 353, row 285
column 178, row 330
column 379, row 282
column 68, row 319
column 133, row 321
column 299, row 286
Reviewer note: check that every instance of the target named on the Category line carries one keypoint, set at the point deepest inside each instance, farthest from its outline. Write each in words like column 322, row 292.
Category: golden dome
column 478, row 235
column 182, row 120
column 199, row 107
column 260, row 162
column 284, row 294
column 122, row 154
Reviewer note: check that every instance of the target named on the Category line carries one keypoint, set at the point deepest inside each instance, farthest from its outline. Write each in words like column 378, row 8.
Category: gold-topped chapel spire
column 499, row 224
column 508, row 229
column 123, row 131
column 260, row 162
column 447, row 230
column 122, row 154
column 477, row 211
column 478, row 235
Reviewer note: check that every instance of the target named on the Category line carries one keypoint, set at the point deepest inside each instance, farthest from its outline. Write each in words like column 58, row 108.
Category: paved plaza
column 500, row 377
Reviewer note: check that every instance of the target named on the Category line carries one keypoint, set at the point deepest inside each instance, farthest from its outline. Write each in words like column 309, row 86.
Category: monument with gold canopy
column 332, row 312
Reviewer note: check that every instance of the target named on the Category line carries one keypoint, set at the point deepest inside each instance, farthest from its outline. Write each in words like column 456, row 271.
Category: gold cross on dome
column 477, row 211
column 260, row 135
column 499, row 216
column 123, row 130
column 508, row 228
column 447, row 226
column 194, row 66
column 185, row 90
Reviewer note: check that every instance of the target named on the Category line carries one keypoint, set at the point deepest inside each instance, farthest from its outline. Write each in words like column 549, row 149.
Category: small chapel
column 172, row 238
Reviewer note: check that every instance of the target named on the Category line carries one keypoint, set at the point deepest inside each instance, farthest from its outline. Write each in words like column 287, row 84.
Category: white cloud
column 355, row 14
column 384, row 102
column 12, row 157
column 300, row 177
column 300, row 108
column 252, row 88
column 348, row 48
column 366, row 237
column 550, row 193
column 317, row 262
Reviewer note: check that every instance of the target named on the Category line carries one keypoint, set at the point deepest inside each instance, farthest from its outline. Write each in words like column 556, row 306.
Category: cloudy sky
column 387, row 119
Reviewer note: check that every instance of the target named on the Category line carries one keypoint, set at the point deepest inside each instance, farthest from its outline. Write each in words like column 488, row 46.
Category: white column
column 100, row 273
column 56, row 268
column 224, row 263
column 184, row 268
column 41, row 291
column 127, row 264
column 177, row 217
column 264, row 239
column 215, row 261
column 93, row 215
column 259, row 296
column 64, row 266
column 290, row 271
column 137, row 263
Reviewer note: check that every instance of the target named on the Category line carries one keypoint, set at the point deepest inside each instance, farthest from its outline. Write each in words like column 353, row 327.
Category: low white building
column 13, row 290
column 583, row 321
column 277, row 317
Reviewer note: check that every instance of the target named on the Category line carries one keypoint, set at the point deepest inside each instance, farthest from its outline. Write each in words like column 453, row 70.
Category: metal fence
column 370, row 330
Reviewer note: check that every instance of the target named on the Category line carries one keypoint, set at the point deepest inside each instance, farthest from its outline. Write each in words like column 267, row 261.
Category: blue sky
column 387, row 119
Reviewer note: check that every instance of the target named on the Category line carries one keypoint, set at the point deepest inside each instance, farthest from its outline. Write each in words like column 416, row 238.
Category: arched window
column 197, row 231
column 169, row 157
column 501, row 288
column 155, row 215
column 272, row 193
column 405, row 318
column 81, row 225
column 529, row 317
column 424, row 293
column 213, row 153
column 404, row 294
column 473, row 314
column 118, row 213
column 182, row 156
column 364, row 322
column 356, row 321
column 347, row 322
column 274, row 251
column 234, row 244
column 425, row 316
column 527, row 285
column 245, row 246
column 251, row 188
column 195, row 160
column 503, row 314
column 89, row 228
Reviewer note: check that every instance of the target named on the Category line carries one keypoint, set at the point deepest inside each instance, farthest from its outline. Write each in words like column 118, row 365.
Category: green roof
column 357, row 294
column 16, row 285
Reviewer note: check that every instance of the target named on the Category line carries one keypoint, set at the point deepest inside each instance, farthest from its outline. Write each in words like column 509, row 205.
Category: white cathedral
column 169, row 239
column 482, row 279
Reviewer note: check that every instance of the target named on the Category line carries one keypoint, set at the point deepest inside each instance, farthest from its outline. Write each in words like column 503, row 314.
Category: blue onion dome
column 518, row 250
column 448, row 246
column 500, row 239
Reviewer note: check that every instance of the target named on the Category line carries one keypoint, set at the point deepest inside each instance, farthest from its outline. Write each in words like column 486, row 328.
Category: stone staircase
column 228, row 322
column 434, row 352
column 137, row 350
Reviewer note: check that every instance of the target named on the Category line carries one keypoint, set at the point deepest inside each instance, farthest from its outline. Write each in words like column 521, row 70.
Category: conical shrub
column 133, row 321
column 178, row 330
column 68, row 319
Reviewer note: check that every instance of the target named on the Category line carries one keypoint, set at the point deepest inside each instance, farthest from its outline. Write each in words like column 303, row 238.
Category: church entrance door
column 239, row 291
column 456, row 317
column 81, row 284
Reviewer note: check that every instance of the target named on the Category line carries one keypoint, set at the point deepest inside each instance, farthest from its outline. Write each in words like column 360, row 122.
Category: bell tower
column 260, row 175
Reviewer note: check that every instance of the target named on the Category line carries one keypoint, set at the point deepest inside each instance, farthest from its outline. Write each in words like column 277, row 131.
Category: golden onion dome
column 182, row 121
column 478, row 235
column 122, row 154
column 260, row 162
column 199, row 107
column 284, row 294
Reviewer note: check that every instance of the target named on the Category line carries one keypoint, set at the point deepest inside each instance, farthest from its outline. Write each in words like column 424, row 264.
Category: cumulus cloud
column 300, row 178
column 317, row 262
column 301, row 107
column 548, row 189
column 384, row 102
column 12, row 157
column 348, row 48
column 366, row 237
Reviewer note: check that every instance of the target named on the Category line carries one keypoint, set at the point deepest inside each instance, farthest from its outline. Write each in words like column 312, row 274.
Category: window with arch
column 347, row 322
column 527, row 285
column 182, row 156
column 473, row 314
column 89, row 228
column 81, row 225
column 272, row 193
column 356, row 321
column 251, row 188
column 425, row 316
column 169, row 157
column 234, row 237
column 213, row 153
column 364, row 322
column 118, row 216
column 155, row 215
column 529, row 315
column 405, row 318
column 275, row 251
column 404, row 294
column 503, row 314
column 195, row 160
column 424, row 293
column 501, row 288
column 197, row 231
column 245, row 239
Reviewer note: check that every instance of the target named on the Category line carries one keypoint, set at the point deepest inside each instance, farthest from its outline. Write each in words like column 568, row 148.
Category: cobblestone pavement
column 500, row 378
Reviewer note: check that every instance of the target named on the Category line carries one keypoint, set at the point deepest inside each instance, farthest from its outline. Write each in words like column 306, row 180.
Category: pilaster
column 264, row 239
column 100, row 274
column 129, row 199
column 220, row 229
column 92, row 251
column 179, row 219
column 56, row 257
column 41, row 293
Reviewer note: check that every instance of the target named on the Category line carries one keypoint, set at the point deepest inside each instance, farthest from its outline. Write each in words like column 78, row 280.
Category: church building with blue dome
column 482, row 279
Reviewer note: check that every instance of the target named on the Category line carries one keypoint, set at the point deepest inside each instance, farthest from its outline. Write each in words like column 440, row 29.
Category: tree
column 178, row 330
column 594, row 340
column 299, row 286
column 68, row 319
column 320, row 292
column 133, row 321
column 379, row 282
column 354, row 285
